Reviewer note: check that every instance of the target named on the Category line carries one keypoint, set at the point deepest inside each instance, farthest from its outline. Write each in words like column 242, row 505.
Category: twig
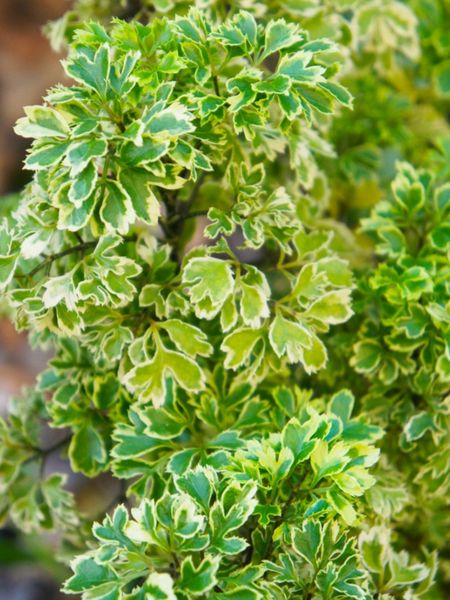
column 78, row 248
column 53, row 257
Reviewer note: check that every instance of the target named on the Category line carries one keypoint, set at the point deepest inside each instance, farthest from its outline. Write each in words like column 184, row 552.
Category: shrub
column 245, row 284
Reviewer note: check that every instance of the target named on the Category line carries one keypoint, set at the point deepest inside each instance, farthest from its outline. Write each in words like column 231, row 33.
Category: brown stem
column 78, row 248
column 53, row 257
column 192, row 215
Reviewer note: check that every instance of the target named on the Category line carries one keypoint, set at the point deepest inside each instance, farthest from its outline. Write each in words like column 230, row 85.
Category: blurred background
column 28, row 66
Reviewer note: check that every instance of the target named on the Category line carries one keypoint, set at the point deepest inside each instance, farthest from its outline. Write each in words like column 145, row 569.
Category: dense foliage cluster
column 236, row 241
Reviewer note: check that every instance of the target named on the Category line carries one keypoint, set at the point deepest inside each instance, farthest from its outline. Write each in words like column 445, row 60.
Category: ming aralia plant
column 245, row 284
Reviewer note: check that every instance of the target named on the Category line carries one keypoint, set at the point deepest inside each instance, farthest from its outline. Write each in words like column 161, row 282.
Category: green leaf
column 198, row 484
column 297, row 438
column 239, row 346
column 367, row 356
column 83, row 186
column 289, row 338
column 149, row 379
column 187, row 338
column 316, row 99
column 342, row 404
column 309, row 283
column 92, row 73
column 355, row 481
column 80, row 154
column 159, row 586
column 332, row 308
column 415, row 323
column 106, row 391
column 441, row 76
column 403, row 574
column 60, row 289
column 340, row 93
column 42, row 122
column 90, row 575
column 116, row 210
column 164, row 424
column 373, row 545
column 315, row 357
column 198, row 580
column 279, row 34
column 327, row 461
column 307, row 542
column 71, row 217
column 7, row 268
column 255, row 294
column 343, row 507
column 418, row 425
column 295, row 66
column 137, row 185
column 220, row 223
column 43, row 156
column 440, row 236
column 87, row 451
column 275, row 84
column 147, row 152
column 229, row 514
column 170, row 122
column 210, row 282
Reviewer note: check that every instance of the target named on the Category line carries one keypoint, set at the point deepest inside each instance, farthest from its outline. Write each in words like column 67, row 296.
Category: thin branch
column 43, row 453
column 67, row 252
column 192, row 215
column 56, row 446
column 194, row 190
column 73, row 250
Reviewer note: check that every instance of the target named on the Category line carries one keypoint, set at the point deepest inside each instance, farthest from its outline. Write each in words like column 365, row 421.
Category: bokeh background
column 28, row 66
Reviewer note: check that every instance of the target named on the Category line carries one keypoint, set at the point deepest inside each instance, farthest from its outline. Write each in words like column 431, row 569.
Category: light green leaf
column 367, row 356
column 7, row 268
column 314, row 357
column 137, row 185
column 36, row 243
column 83, row 186
column 307, row 542
column 255, row 295
column 116, row 211
column 326, row 460
column 187, row 338
column 289, row 339
column 441, row 76
column 60, row 289
column 295, row 66
column 332, row 308
column 238, row 346
column 170, row 122
column 80, row 154
column 43, row 156
column 198, row 580
column 159, row 586
column 339, row 92
column 210, row 282
column 87, row 451
column 148, row 379
column 90, row 575
column 198, row 483
column 92, row 73
column 374, row 545
column 42, row 122
column 405, row 574
column 418, row 425
column 279, row 34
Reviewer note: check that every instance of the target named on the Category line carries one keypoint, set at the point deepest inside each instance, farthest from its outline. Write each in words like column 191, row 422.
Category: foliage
column 236, row 242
